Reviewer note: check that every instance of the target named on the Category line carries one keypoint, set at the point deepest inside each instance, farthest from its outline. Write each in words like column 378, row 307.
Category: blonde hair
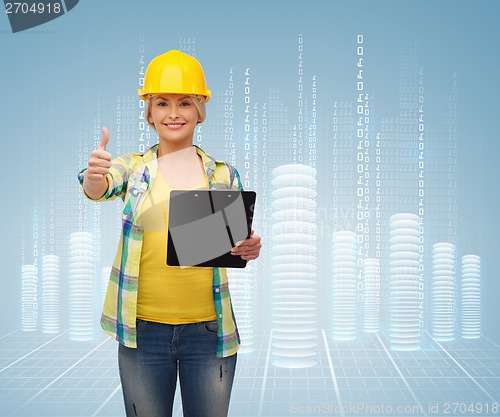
column 198, row 101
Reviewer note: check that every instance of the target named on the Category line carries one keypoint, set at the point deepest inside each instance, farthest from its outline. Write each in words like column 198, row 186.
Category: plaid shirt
column 130, row 177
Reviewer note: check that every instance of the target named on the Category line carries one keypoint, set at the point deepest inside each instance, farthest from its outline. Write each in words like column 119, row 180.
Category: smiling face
column 175, row 118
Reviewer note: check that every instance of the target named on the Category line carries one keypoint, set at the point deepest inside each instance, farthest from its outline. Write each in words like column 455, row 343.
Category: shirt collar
column 209, row 163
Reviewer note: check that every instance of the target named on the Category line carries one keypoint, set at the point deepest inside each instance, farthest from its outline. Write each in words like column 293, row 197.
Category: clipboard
column 204, row 225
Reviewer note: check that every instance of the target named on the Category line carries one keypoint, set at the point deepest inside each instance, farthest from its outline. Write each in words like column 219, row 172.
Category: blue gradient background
column 54, row 75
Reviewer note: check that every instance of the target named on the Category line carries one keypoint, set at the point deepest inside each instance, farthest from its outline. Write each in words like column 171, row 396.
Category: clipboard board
column 204, row 225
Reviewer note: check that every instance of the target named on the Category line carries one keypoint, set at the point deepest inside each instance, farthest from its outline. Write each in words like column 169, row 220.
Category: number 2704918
column 41, row 8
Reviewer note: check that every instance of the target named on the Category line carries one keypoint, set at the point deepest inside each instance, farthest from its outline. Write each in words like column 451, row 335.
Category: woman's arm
column 104, row 179
column 248, row 249
column 95, row 183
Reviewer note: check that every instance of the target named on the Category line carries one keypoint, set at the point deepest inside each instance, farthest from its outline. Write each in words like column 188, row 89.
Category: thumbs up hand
column 100, row 160
column 95, row 183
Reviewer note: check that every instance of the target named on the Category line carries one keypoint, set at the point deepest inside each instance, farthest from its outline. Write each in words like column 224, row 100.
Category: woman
column 169, row 320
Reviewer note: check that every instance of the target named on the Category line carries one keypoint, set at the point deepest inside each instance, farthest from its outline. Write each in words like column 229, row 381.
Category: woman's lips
column 174, row 125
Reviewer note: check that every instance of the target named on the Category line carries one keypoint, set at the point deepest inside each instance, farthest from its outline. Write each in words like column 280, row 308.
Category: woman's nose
column 173, row 113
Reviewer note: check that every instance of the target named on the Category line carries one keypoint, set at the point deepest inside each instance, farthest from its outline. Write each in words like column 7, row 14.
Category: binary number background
column 369, row 131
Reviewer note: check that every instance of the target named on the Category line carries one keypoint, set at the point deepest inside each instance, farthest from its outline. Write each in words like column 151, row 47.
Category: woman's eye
column 185, row 103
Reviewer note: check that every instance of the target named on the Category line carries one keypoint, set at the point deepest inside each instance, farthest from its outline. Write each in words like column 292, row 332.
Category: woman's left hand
column 248, row 249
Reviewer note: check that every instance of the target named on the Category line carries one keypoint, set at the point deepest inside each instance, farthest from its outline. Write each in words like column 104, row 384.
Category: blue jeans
column 149, row 373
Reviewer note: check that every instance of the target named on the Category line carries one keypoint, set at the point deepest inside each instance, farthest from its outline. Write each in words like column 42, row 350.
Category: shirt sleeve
column 117, row 178
column 234, row 178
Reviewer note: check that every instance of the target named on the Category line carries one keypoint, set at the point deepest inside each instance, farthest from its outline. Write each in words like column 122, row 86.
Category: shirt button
column 220, row 316
column 217, row 290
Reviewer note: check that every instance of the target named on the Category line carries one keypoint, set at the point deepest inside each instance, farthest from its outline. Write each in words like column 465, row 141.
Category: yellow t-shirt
column 169, row 294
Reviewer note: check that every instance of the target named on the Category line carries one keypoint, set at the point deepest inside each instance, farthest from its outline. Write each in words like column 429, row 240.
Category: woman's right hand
column 95, row 183
column 100, row 160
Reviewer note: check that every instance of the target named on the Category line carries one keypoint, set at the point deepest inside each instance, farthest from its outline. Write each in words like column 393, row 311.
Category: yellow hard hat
column 174, row 72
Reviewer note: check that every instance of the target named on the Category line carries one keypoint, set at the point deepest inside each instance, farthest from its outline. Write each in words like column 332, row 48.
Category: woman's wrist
column 95, row 189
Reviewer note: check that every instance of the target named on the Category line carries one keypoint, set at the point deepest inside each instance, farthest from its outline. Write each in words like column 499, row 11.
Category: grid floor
column 49, row 375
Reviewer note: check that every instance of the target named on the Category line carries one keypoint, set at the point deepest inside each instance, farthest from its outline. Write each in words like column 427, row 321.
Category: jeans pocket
column 211, row 327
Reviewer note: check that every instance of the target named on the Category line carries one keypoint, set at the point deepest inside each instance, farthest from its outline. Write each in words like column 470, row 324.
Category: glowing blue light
column 345, row 273
column 443, row 292
column 371, row 302
column 50, row 294
column 404, row 282
column 81, row 286
column 294, row 305
column 29, row 305
column 471, row 297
